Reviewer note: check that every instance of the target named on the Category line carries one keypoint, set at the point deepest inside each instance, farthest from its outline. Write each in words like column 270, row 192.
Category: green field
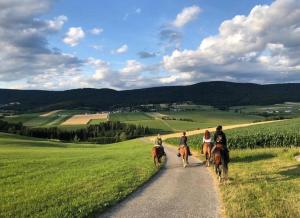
column 133, row 116
column 199, row 119
column 49, row 179
column 263, row 183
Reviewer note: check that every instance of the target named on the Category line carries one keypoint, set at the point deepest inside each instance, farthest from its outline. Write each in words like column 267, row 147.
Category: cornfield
column 282, row 134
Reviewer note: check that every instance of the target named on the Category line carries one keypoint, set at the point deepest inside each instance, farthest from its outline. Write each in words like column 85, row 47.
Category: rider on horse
column 220, row 138
column 158, row 144
column 183, row 142
column 206, row 139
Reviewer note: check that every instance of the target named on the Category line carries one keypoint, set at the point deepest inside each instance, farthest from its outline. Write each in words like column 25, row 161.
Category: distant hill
column 219, row 94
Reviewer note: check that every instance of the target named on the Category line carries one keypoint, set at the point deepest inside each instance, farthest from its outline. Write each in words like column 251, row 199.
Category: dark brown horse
column 220, row 165
column 157, row 153
column 183, row 150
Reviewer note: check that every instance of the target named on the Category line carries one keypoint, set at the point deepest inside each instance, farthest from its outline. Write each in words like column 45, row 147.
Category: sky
column 67, row 44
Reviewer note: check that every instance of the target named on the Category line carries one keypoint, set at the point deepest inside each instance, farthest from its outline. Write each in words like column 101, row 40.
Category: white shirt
column 206, row 140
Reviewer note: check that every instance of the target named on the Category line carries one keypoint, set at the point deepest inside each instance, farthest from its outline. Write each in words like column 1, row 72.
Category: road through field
column 174, row 192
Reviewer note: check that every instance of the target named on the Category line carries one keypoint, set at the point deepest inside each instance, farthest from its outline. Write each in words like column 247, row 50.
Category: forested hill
column 206, row 93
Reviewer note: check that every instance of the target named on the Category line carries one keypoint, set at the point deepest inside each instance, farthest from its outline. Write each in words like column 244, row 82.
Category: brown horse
column 207, row 152
column 183, row 150
column 157, row 153
column 221, row 167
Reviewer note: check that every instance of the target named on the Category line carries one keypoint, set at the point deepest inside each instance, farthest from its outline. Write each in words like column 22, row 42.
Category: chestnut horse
column 220, row 166
column 183, row 150
column 157, row 153
column 207, row 152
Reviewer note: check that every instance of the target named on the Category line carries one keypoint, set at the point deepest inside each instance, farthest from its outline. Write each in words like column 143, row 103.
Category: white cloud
column 122, row 49
column 263, row 46
column 25, row 53
column 57, row 23
column 132, row 67
column 186, row 15
column 96, row 31
column 73, row 36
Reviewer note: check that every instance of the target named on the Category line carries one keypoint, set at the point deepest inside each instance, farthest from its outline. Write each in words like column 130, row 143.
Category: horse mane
column 207, row 134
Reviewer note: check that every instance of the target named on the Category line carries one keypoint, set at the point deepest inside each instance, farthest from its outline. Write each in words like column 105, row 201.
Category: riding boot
column 189, row 151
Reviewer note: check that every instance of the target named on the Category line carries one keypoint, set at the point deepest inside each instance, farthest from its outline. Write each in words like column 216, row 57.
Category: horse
column 157, row 153
column 220, row 165
column 207, row 152
column 183, row 150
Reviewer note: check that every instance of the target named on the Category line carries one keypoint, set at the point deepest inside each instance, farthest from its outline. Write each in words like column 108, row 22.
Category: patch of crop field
column 263, row 183
column 82, row 119
column 49, row 179
column 132, row 116
column 155, row 125
column 96, row 121
column 156, row 115
column 50, row 113
column 20, row 118
column 59, row 119
column 40, row 121
column 214, row 117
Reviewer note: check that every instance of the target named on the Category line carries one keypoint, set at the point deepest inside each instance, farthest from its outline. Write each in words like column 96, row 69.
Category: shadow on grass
column 291, row 172
column 252, row 158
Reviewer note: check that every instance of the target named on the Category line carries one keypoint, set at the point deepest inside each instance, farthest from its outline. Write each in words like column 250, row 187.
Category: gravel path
column 174, row 192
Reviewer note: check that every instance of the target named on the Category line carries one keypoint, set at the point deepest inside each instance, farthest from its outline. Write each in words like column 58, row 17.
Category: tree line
column 103, row 133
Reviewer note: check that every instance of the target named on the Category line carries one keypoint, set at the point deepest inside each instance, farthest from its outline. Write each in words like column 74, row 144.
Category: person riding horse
column 220, row 139
column 206, row 147
column 158, row 151
column 183, row 142
column 206, row 139
column 159, row 144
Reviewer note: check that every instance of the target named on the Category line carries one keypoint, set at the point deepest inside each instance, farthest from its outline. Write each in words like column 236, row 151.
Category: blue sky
column 129, row 44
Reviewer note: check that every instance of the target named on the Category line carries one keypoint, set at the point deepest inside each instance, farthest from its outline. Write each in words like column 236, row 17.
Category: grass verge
column 263, row 183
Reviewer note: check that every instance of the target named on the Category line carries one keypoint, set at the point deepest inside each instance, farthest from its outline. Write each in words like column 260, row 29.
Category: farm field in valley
column 198, row 119
column 37, row 176
column 83, row 119
column 65, row 119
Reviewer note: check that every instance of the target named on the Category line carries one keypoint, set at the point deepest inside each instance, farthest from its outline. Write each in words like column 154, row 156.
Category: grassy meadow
column 263, row 183
column 50, row 179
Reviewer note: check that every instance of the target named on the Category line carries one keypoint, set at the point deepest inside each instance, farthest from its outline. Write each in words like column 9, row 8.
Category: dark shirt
column 222, row 134
column 183, row 140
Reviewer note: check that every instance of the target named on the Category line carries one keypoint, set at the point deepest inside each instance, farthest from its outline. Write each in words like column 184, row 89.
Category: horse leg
column 220, row 173
column 225, row 171
column 154, row 160
column 183, row 162
column 206, row 159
